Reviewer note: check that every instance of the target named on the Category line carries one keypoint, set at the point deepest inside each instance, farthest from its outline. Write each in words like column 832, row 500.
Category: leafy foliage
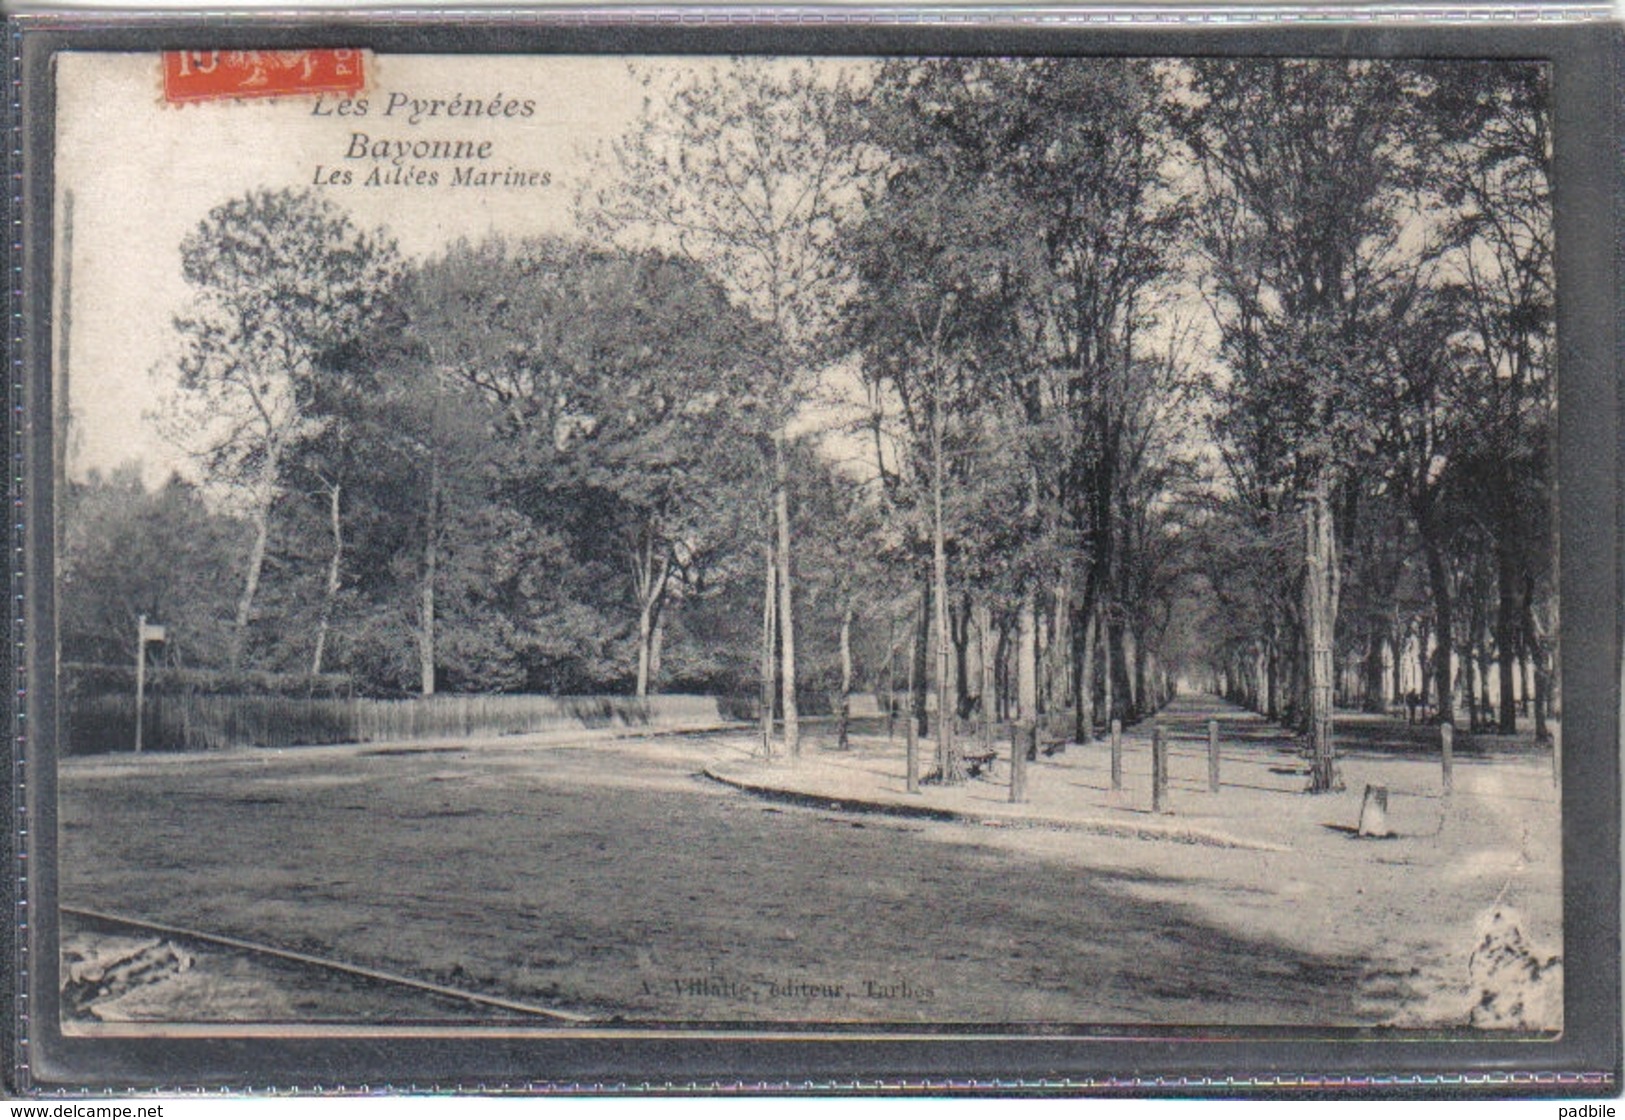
column 1119, row 336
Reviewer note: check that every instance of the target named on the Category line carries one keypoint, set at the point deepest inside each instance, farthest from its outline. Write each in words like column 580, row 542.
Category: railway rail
column 375, row 975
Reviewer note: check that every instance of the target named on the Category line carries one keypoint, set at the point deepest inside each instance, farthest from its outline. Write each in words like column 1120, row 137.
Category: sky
column 144, row 173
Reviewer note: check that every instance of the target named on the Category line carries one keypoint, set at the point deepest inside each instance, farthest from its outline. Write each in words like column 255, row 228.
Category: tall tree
column 659, row 357
column 1306, row 190
column 928, row 255
column 279, row 278
column 1496, row 178
column 849, row 581
column 1048, row 227
column 129, row 552
column 589, row 393
column 1089, row 324
column 748, row 166
column 440, row 415
column 1418, row 401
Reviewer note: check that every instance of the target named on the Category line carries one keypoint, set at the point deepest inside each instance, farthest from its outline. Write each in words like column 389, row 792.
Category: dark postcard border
column 1585, row 1061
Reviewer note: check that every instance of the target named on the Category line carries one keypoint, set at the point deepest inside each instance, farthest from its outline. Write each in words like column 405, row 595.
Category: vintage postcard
column 613, row 546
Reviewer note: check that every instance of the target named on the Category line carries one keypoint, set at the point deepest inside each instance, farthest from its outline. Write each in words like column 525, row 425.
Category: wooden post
column 1117, row 755
column 1213, row 756
column 1447, row 735
column 140, row 675
column 1019, row 740
column 1159, row 772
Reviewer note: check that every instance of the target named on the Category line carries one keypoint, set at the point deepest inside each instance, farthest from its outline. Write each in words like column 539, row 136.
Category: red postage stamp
column 212, row 75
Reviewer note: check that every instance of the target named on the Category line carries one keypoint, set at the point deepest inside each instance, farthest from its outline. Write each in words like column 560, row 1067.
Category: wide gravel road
column 606, row 878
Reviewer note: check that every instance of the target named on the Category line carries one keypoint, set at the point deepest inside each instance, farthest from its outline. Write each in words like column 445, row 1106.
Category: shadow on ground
column 608, row 882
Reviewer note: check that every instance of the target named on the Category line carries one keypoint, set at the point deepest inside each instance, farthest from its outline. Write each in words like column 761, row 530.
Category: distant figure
column 1412, row 701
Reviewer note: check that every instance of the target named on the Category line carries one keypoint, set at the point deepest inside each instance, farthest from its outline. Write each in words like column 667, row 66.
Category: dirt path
column 1272, row 861
column 606, row 880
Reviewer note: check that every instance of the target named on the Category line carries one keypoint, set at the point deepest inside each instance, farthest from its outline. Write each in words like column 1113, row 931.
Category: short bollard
column 1117, row 755
column 1374, row 813
column 1020, row 742
column 1159, row 772
column 1447, row 736
column 1213, row 756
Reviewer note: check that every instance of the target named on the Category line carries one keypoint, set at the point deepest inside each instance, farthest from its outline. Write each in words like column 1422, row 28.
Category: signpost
column 143, row 634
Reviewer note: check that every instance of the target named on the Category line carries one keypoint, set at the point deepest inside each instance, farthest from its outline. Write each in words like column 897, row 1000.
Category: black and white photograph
column 780, row 545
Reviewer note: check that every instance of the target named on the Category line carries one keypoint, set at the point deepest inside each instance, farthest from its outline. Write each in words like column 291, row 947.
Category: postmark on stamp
column 191, row 76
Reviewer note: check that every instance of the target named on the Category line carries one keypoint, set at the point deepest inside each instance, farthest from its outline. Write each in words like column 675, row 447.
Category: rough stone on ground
column 1514, row 987
column 101, row 970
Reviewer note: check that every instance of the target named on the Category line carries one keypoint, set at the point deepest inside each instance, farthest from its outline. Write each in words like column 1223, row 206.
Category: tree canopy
column 1229, row 372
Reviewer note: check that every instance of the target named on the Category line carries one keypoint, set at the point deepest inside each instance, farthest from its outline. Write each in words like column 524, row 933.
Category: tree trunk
column 1508, row 623
column 770, row 587
column 1142, row 702
column 960, row 621
column 1001, row 674
column 1109, row 675
column 1469, row 683
column 657, row 646
column 911, row 738
column 654, row 575
column 989, row 654
column 1027, row 666
column 1083, row 686
column 1373, row 689
column 261, row 518
column 918, row 659
column 646, row 636
column 891, row 676
column 950, row 768
column 1057, row 669
column 1535, row 644
column 1041, row 632
column 334, row 572
column 1396, row 646
column 843, row 704
column 1475, row 655
column 1320, row 619
column 1272, row 699
column 1439, row 586
column 786, row 615
column 1543, row 691
column 1117, row 662
column 1424, row 667
column 1295, row 693
column 646, row 633
column 431, row 562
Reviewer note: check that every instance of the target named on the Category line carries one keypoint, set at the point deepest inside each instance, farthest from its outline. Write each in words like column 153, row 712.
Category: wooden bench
column 979, row 762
